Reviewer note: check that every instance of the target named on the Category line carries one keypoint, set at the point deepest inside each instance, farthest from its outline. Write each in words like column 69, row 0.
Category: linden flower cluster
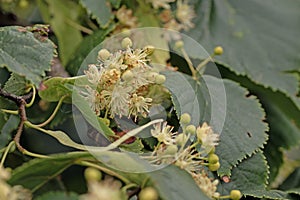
column 180, row 19
column 11, row 193
column 121, row 82
column 126, row 19
column 196, row 157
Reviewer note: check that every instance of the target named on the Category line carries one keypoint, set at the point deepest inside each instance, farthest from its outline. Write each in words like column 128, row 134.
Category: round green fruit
column 148, row 193
column 235, row 194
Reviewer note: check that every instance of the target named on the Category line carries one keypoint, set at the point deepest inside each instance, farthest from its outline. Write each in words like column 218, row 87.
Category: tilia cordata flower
column 121, row 83
column 193, row 150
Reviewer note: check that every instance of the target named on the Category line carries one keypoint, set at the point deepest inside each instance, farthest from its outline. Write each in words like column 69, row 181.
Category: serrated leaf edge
column 267, row 128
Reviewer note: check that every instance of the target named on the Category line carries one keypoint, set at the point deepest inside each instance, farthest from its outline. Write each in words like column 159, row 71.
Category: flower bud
column 127, row 75
column 218, row 50
column 185, row 118
column 213, row 158
column 103, row 54
column 181, row 163
column 151, row 76
column 179, row 44
column 106, row 121
column 23, row 3
column 235, row 194
column 92, row 174
column 160, row 79
column 190, row 129
column 171, row 149
column 148, row 193
column 181, row 139
column 126, row 42
column 214, row 167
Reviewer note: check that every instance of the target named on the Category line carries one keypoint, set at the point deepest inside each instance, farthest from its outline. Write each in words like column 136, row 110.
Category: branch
column 21, row 103
column 17, row 99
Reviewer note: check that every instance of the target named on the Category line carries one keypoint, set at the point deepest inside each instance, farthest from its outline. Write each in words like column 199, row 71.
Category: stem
column 79, row 27
column 23, row 118
column 128, row 186
column 156, row 148
column 105, row 170
column 6, row 153
column 132, row 192
column 53, row 114
column 224, row 197
column 13, row 112
column 187, row 139
column 65, row 140
column 21, row 103
column 91, row 24
column 145, row 181
column 33, row 96
column 28, row 153
column 204, row 62
column 131, row 133
column 189, row 62
column 194, row 145
column 106, row 114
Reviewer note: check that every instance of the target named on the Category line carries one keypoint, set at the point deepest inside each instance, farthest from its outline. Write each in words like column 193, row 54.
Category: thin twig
column 6, row 152
column 21, row 103
column 22, row 114
column 53, row 114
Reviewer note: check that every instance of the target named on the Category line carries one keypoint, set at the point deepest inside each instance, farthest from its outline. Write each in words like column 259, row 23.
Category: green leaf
column 135, row 147
column 292, row 182
column 279, row 108
column 63, row 17
column 176, row 184
column 148, row 18
column 58, row 195
column 16, row 84
column 170, row 181
column 260, row 39
column 294, row 191
column 189, row 96
column 99, row 10
column 7, row 104
column 250, row 177
column 146, row 15
column 37, row 172
column 2, row 119
column 57, row 87
column 7, row 126
column 115, row 3
column 244, row 131
column 24, row 54
column 226, row 107
column 64, row 138
column 88, row 43
column 283, row 135
column 4, row 75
